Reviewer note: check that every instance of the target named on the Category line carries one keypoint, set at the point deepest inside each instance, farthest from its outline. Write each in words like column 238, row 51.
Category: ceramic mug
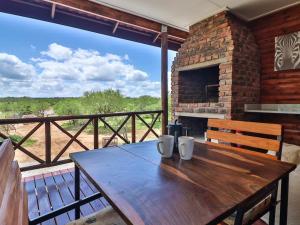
column 165, row 145
column 186, row 147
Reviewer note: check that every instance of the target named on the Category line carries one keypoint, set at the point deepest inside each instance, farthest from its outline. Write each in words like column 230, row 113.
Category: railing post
column 133, row 132
column 96, row 133
column 48, row 142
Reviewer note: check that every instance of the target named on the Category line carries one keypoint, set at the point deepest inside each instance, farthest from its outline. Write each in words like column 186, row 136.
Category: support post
column 133, row 133
column 96, row 133
column 164, row 77
column 48, row 142
column 284, row 200
column 77, row 191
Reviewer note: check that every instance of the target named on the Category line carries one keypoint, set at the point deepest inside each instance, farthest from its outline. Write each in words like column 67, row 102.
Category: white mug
column 165, row 145
column 186, row 147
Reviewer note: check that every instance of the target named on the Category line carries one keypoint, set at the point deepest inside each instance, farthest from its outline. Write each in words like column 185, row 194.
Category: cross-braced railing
column 50, row 159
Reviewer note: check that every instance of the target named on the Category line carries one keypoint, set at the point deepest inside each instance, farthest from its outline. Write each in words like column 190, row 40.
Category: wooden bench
column 249, row 137
column 253, row 138
column 13, row 196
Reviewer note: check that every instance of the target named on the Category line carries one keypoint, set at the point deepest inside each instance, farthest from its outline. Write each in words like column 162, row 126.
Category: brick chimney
column 216, row 71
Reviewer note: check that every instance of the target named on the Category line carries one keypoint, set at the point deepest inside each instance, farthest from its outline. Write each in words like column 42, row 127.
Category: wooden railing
column 48, row 122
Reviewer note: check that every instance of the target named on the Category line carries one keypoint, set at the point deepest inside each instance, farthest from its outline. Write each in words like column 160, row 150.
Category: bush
column 17, row 138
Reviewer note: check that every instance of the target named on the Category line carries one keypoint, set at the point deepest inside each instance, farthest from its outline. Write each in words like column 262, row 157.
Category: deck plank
column 55, row 199
column 64, row 192
column 56, row 189
column 43, row 198
column 87, row 191
column 32, row 198
column 85, row 209
column 93, row 188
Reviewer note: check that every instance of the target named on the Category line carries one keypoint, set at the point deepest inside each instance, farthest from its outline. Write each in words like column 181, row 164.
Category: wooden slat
column 10, row 202
column 103, row 200
column 32, row 198
column 43, row 199
column 85, row 209
column 227, row 147
column 255, row 142
column 23, row 206
column 87, row 191
column 64, row 192
column 6, row 157
column 55, row 199
column 253, row 127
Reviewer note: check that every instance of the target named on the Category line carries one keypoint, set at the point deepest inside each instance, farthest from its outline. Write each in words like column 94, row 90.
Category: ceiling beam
column 53, row 11
column 115, row 27
column 156, row 37
column 121, row 16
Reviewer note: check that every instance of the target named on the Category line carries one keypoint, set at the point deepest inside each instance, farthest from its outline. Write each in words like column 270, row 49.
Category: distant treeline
column 97, row 102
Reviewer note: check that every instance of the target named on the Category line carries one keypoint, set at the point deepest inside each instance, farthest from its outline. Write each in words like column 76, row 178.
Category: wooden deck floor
column 56, row 189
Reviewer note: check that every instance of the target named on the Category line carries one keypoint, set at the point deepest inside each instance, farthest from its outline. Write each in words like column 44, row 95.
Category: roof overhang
column 97, row 18
column 139, row 20
column 182, row 14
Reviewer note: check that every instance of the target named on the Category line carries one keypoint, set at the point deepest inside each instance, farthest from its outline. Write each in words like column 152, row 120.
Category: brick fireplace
column 215, row 72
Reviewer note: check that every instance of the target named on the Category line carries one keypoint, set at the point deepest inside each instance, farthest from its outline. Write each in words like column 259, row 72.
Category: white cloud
column 85, row 65
column 57, row 52
column 62, row 71
column 12, row 68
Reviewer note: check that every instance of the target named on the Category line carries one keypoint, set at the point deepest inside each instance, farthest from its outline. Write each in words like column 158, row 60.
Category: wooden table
column 146, row 189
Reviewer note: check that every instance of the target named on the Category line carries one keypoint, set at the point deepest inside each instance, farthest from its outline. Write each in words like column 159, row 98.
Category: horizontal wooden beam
column 73, row 117
column 121, row 16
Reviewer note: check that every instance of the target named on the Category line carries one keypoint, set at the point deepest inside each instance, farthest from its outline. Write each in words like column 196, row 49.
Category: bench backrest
column 13, row 196
column 250, row 137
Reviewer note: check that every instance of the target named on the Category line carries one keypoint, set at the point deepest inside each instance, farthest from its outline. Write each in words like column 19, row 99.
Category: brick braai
column 222, row 41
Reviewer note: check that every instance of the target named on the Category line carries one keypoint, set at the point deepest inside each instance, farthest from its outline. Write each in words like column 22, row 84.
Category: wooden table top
column 146, row 189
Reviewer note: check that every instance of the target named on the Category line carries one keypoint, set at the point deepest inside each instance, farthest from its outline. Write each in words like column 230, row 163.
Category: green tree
column 107, row 101
column 40, row 107
column 68, row 107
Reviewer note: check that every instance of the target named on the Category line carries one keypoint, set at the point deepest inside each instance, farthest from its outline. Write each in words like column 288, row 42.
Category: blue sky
column 41, row 59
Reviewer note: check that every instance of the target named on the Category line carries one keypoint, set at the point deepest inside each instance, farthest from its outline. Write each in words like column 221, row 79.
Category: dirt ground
column 59, row 140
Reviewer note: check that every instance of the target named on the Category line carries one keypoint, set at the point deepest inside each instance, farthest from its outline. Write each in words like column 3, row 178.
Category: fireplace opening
column 199, row 85
column 196, row 126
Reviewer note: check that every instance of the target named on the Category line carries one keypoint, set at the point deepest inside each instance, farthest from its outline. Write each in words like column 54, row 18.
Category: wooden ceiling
column 97, row 18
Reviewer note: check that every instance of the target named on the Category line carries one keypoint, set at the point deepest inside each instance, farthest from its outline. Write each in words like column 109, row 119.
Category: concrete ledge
column 201, row 115
column 202, row 65
column 273, row 108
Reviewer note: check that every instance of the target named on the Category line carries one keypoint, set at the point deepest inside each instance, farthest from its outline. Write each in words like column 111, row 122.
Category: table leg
column 284, row 200
column 77, row 192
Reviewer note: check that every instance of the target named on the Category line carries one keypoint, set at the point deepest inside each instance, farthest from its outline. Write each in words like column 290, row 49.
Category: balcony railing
column 92, row 121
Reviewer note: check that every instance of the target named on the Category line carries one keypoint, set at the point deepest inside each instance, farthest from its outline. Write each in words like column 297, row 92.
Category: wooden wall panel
column 284, row 86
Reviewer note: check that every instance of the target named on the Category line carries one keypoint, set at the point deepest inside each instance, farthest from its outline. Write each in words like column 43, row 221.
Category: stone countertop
column 273, row 108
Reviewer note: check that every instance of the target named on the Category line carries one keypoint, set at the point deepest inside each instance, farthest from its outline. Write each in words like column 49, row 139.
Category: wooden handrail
column 72, row 117
column 94, row 119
